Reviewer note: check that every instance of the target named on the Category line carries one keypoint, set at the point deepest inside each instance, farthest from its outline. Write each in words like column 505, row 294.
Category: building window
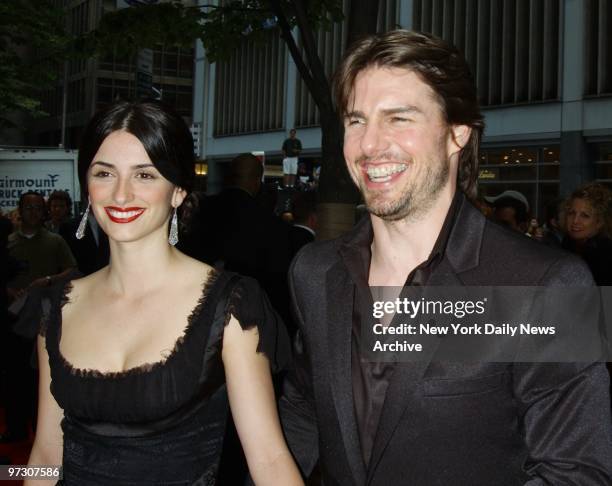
column 173, row 61
column 598, row 47
column 179, row 97
column 76, row 96
column 512, row 46
column 330, row 46
column 533, row 171
column 603, row 164
column 112, row 89
column 250, row 88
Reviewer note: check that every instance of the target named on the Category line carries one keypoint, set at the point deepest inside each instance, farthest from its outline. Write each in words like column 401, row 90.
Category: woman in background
column 588, row 227
column 138, row 359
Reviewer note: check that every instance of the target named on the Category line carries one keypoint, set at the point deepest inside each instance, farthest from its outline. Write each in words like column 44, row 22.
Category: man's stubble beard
column 417, row 198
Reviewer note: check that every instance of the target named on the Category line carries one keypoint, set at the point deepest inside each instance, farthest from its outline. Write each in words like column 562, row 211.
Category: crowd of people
column 580, row 223
column 154, row 313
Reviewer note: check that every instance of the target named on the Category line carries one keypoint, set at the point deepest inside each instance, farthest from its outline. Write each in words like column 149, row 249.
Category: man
column 511, row 209
column 60, row 208
column 234, row 232
column 291, row 149
column 304, row 225
column 412, row 128
column 92, row 251
column 553, row 212
column 44, row 256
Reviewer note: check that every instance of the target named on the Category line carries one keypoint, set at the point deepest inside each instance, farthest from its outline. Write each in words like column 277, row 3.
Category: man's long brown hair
column 439, row 65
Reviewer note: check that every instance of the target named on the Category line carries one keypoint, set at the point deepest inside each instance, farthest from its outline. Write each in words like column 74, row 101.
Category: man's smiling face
column 397, row 144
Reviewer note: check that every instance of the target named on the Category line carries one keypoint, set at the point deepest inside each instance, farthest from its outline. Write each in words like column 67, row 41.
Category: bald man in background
column 233, row 231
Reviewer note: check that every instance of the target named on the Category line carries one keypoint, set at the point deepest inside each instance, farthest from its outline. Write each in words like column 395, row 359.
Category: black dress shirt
column 371, row 379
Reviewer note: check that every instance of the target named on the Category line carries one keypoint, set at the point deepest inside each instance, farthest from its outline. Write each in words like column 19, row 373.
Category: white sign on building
column 43, row 171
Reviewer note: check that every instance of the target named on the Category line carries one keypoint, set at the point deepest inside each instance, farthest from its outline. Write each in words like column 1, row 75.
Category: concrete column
column 576, row 165
column 291, row 78
column 199, row 91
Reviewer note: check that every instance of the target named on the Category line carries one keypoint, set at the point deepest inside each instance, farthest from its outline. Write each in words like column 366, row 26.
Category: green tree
column 32, row 44
column 222, row 28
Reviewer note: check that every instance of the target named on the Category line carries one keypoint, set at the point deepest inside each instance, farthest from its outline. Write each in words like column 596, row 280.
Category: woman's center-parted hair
column 441, row 66
column 162, row 132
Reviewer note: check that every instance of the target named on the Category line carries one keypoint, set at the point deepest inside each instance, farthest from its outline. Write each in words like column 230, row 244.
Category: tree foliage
column 33, row 42
column 222, row 28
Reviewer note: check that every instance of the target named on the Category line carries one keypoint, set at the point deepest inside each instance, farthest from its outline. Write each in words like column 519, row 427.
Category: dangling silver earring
column 173, row 236
column 80, row 232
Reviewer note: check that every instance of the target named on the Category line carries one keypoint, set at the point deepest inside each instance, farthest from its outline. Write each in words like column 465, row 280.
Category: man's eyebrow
column 410, row 109
column 354, row 114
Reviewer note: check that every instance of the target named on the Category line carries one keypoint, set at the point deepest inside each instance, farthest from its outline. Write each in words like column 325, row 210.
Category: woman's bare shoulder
column 88, row 282
column 194, row 271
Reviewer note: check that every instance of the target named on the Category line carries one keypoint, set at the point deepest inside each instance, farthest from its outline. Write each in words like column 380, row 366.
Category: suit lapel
column 462, row 253
column 339, row 316
column 402, row 391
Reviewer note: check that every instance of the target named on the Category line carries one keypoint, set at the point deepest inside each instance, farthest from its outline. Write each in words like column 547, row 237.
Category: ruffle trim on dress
column 249, row 304
column 236, row 308
column 213, row 275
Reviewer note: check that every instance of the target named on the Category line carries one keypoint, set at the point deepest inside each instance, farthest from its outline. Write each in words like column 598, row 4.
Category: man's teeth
column 383, row 173
column 124, row 214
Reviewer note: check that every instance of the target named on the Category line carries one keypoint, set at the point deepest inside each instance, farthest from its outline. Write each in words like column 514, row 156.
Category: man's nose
column 373, row 140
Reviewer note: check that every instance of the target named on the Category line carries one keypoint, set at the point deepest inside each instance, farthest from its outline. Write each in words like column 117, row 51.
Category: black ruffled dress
column 161, row 423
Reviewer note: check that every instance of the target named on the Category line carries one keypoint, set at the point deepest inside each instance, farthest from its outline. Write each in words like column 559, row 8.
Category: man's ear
column 178, row 196
column 459, row 136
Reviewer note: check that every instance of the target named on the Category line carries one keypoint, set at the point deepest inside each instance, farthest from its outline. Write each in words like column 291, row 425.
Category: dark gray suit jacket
column 445, row 423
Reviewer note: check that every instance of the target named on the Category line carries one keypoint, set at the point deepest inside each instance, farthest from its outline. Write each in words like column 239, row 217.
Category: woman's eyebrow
column 112, row 166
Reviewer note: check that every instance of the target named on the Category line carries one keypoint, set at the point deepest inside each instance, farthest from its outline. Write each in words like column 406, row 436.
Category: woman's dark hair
column 441, row 66
column 163, row 133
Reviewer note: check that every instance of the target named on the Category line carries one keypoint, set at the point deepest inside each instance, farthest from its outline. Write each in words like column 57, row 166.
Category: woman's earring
column 173, row 236
column 80, row 232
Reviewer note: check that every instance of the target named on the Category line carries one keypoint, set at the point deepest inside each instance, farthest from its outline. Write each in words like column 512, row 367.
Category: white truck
column 42, row 170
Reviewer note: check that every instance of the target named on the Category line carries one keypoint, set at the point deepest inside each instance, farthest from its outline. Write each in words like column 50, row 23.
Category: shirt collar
column 356, row 250
column 307, row 228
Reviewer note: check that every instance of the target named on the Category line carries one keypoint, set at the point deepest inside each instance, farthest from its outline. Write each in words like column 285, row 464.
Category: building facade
column 543, row 70
column 88, row 84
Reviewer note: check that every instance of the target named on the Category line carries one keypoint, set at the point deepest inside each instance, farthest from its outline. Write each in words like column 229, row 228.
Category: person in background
column 304, row 227
column 45, row 256
column 11, row 365
column 59, row 205
column 511, row 209
column 292, row 147
column 588, row 227
column 91, row 251
column 552, row 232
column 15, row 218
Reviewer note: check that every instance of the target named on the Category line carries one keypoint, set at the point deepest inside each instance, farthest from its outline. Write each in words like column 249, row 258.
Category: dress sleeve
column 250, row 305
column 34, row 316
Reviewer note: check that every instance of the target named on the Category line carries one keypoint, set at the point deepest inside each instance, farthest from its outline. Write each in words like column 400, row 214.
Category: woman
column 588, row 226
column 140, row 351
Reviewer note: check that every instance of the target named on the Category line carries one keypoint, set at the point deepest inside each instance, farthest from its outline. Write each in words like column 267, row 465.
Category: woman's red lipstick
column 123, row 215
